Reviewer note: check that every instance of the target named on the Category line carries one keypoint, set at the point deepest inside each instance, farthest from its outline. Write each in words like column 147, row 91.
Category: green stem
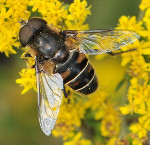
column 141, row 15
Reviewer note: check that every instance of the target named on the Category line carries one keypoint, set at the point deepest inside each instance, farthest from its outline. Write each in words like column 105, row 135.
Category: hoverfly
column 60, row 59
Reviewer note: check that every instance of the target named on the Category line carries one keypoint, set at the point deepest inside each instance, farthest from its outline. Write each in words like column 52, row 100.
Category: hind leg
column 118, row 53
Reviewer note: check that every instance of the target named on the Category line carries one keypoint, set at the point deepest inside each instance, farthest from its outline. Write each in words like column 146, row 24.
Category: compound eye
column 25, row 35
column 36, row 23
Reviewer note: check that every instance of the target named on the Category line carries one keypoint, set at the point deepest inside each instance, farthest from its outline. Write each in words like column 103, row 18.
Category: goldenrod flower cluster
column 11, row 13
column 139, row 71
column 95, row 116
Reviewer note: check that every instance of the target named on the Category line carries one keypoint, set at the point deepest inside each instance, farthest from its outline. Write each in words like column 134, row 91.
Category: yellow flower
column 10, row 14
column 52, row 11
column 96, row 100
column 128, row 57
column 78, row 140
column 138, row 128
column 78, row 12
column 138, row 94
column 130, row 23
column 79, row 26
column 145, row 120
column 137, row 141
column 141, row 128
column 28, row 80
column 64, row 130
column 126, row 109
column 112, row 141
column 146, row 21
column 117, row 141
column 139, row 89
column 144, row 4
column 110, row 125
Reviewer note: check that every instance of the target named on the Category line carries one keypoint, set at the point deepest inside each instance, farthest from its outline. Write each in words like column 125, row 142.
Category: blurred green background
column 18, row 113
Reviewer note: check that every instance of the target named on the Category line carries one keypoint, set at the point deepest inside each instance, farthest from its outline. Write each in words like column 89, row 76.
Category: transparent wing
column 102, row 41
column 50, row 93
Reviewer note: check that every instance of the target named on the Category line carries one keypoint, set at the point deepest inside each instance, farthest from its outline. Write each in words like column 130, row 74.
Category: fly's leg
column 65, row 93
column 28, row 55
column 68, row 94
column 121, row 52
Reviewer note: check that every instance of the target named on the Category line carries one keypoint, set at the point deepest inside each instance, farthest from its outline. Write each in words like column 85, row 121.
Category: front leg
column 28, row 55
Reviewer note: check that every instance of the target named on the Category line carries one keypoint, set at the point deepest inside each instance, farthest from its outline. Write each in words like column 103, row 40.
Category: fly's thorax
column 50, row 44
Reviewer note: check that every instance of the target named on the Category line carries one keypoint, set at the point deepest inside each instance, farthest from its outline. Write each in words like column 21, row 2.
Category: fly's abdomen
column 78, row 73
column 85, row 82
